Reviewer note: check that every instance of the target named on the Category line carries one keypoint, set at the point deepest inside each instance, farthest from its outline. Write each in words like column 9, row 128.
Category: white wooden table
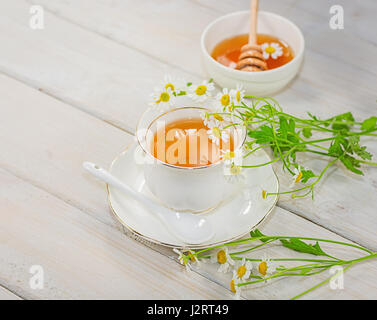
column 74, row 91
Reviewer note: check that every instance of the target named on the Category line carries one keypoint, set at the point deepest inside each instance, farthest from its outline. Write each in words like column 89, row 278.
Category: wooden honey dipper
column 251, row 57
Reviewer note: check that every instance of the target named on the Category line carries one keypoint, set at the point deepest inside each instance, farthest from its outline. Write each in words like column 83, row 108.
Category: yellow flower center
column 241, row 271
column 235, row 170
column 225, row 99
column 200, row 90
column 218, row 117
column 164, row 97
column 299, row 177
column 263, row 268
column 233, row 286
column 270, row 49
column 183, row 259
column 238, row 96
column 192, row 256
column 216, row 132
column 221, row 257
column 264, row 194
column 169, row 86
column 229, row 155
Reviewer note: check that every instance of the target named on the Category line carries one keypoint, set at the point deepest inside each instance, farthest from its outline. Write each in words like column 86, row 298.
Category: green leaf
column 338, row 146
column 189, row 84
column 342, row 121
column 262, row 135
column 351, row 163
column 292, row 126
column 301, row 246
column 284, row 127
column 307, row 132
column 313, row 116
column 354, row 147
column 306, row 175
column 256, row 234
column 369, row 123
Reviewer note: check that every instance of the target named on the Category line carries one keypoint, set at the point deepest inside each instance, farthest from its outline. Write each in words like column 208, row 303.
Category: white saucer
column 234, row 218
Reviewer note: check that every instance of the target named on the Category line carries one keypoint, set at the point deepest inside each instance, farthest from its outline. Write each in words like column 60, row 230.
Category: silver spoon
column 188, row 227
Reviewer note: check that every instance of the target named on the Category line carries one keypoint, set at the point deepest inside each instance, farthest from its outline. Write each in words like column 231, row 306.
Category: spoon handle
column 105, row 176
column 171, row 220
column 253, row 22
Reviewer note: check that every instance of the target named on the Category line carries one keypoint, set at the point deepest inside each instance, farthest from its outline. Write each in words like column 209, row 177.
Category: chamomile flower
column 162, row 99
column 206, row 117
column 272, row 49
column 183, row 259
column 169, row 83
column 201, row 92
column 233, row 173
column 232, row 165
column 237, row 95
column 176, row 85
column 187, row 258
column 216, row 132
column 223, row 99
column 230, row 157
column 297, row 175
column 266, row 267
column 243, row 269
column 222, row 257
column 234, row 285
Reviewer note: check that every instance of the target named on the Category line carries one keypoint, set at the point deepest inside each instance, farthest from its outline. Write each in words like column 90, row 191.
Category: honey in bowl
column 275, row 51
column 186, row 143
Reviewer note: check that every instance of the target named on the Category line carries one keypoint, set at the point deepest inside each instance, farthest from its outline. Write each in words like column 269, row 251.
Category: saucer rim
column 199, row 246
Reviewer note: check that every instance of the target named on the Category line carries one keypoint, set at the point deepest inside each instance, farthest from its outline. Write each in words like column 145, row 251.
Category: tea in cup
column 183, row 160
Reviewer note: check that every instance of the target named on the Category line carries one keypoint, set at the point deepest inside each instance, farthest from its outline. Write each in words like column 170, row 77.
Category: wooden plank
column 7, row 295
column 115, row 81
column 81, row 257
column 115, row 89
column 322, row 79
column 90, row 258
column 125, row 22
column 46, row 142
column 85, row 259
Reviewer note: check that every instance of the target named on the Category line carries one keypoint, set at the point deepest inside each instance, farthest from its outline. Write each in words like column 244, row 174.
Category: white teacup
column 193, row 189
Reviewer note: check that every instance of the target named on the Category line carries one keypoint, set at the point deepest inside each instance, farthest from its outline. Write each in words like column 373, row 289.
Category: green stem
column 321, row 283
column 285, row 259
column 249, row 240
column 308, row 186
column 368, row 162
column 256, row 247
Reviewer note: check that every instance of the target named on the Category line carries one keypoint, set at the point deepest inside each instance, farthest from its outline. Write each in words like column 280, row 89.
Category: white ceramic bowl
column 255, row 83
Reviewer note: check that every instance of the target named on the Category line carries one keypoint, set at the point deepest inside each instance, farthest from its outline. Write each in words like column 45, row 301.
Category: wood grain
column 38, row 207
column 81, row 257
column 109, row 76
column 7, row 295
column 101, row 74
